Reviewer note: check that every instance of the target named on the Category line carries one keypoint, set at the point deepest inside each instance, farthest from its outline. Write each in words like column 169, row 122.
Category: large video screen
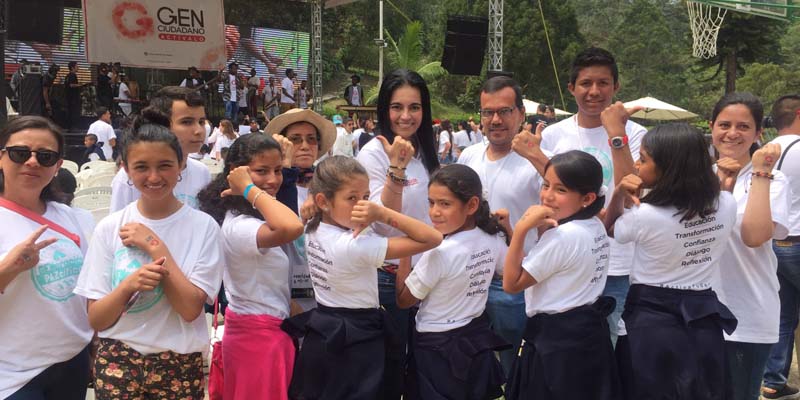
column 269, row 51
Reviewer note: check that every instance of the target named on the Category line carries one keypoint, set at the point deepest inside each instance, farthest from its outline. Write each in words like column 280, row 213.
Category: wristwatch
column 618, row 142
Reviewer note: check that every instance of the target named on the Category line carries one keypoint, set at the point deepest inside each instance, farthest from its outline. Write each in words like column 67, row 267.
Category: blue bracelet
column 247, row 190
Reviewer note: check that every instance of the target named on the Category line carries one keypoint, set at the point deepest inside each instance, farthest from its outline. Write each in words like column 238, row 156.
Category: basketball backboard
column 786, row 10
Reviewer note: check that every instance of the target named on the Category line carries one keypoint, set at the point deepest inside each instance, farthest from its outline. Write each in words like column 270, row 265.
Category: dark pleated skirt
column 346, row 354
column 567, row 356
column 674, row 348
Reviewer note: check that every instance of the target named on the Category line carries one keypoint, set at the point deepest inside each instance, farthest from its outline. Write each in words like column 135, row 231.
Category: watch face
column 617, row 142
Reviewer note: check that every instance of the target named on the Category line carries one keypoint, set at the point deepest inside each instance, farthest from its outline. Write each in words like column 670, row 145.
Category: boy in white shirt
column 104, row 131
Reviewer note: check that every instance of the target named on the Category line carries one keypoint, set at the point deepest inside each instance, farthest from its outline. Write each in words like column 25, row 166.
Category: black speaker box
column 36, row 20
column 30, row 95
column 465, row 45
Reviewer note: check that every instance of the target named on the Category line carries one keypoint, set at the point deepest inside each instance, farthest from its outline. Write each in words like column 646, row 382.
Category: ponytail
column 490, row 223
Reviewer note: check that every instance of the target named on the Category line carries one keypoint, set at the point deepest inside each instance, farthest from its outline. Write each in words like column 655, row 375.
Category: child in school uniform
column 566, row 352
column 149, row 270
column 258, row 355
column 453, row 349
column 351, row 348
column 671, row 339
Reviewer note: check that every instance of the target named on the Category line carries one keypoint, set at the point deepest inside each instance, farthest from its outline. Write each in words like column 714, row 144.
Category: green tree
column 745, row 39
column 651, row 58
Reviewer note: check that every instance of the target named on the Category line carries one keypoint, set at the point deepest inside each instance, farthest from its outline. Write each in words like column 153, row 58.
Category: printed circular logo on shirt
column 57, row 273
column 605, row 161
column 126, row 261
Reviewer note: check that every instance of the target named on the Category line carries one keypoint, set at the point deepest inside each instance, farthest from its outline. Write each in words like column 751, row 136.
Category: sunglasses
column 298, row 140
column 20, row 154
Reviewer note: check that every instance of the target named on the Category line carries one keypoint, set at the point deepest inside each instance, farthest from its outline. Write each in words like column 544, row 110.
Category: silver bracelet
column 259, row 194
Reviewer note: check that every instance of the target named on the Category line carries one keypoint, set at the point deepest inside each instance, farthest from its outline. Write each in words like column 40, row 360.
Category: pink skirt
column 258, row 357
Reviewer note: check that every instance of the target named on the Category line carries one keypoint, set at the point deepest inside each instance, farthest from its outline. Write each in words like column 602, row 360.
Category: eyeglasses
column 298, row 140
column 20, row 154
column 504, row 112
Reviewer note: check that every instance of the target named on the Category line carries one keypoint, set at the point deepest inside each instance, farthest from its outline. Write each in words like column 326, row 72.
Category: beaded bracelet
column 396, row 179
column 764, row 175
column 396, row 167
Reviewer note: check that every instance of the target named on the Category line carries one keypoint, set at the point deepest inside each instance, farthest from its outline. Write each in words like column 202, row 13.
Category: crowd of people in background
column 525, row 257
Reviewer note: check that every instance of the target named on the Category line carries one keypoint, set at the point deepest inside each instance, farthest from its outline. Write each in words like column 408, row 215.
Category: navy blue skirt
column 567, row 356
column 674, row 348
column 456, row 364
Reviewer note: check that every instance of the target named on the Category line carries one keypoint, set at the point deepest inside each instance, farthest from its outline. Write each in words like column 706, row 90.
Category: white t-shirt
column 123, row 95
column 747, row 278
column 256, row 280
column 152, row 325
column 194, row 178
column 567, row 135
column 287, row 85
column 570, row 264
column 344, row 269
column 302, row 98
column 462, row 139
column 43, row 322
column 511, row 182
column 233, row 88
column 791, row 168
column 453, row 279
column 343, row 146
column 415, row 195
column 221, row 143
column 674, row 254
column 444, row 138
column 105, row 132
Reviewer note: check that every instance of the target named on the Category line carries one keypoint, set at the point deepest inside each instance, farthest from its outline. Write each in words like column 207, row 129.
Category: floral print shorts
column 122, row 373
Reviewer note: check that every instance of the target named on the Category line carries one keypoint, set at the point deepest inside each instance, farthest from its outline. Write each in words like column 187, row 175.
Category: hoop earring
column 129, row 182
column 180, row 178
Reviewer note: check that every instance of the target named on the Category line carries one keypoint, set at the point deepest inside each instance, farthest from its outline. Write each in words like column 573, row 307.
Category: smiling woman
column 39, row 269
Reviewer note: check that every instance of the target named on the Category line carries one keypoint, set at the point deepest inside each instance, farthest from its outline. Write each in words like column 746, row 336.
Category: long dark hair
column 465, row 184
column 330, row 175
column 582, row 173
column 51, row 192
column 423, row 140
column 746, row 99
column 687, row 180
column 241, row 153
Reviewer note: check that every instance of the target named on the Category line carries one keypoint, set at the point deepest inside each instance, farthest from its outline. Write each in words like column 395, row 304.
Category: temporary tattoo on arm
column 152, row 241
column 392, row 222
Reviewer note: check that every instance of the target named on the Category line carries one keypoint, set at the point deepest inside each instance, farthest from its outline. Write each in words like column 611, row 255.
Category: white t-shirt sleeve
column 375, row 161
column 501, row 256
column 94, row 281
column 207, row 272
column 635, row 134
column 365, row 250
column 242, row 238
column 626, row 227
column 549, row 256
column 425, row 275
column 122, row 194
column 779, row 196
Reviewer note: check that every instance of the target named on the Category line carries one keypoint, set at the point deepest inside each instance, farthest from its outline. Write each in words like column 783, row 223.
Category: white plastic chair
column 93, row 202
column 102, row 179
column 94, row 190
column 70, row 166
column 100, row 166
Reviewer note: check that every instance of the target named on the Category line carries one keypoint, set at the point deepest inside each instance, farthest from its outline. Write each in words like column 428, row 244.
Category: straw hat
column 327, row 131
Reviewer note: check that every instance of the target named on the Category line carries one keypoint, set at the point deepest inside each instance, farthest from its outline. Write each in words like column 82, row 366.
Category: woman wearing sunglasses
column 44, row 327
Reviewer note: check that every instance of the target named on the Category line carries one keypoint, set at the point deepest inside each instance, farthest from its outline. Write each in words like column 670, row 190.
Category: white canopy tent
column 655, row 109
column 531, row 106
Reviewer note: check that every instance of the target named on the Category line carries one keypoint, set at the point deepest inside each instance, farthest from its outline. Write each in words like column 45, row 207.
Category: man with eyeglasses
column 511, row 184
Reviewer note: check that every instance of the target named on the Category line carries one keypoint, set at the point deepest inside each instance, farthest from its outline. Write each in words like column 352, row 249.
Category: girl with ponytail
column 563, row 277
column 452, row 282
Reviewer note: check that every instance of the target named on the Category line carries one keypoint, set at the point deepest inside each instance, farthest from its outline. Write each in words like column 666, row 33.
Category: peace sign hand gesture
column 25, row 255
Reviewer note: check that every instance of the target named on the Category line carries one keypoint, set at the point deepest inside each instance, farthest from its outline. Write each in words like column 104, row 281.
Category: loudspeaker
column 30, row 95
column 36, row 21
column 465, row 45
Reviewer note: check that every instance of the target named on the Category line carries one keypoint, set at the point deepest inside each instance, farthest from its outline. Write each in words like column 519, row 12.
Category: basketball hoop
column 705, row 21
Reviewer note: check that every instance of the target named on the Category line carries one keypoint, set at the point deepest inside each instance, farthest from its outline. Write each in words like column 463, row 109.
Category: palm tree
column 407, row 53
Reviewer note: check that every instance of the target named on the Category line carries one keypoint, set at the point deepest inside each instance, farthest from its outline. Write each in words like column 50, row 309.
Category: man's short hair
column 784, row 111
column 100, row 111
column 92, row 136
column 591, row 57
column 289, row 71
column 163, row 99
column 72, row 64
column 193, row 69
column 498, row 83
column 541, row 108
